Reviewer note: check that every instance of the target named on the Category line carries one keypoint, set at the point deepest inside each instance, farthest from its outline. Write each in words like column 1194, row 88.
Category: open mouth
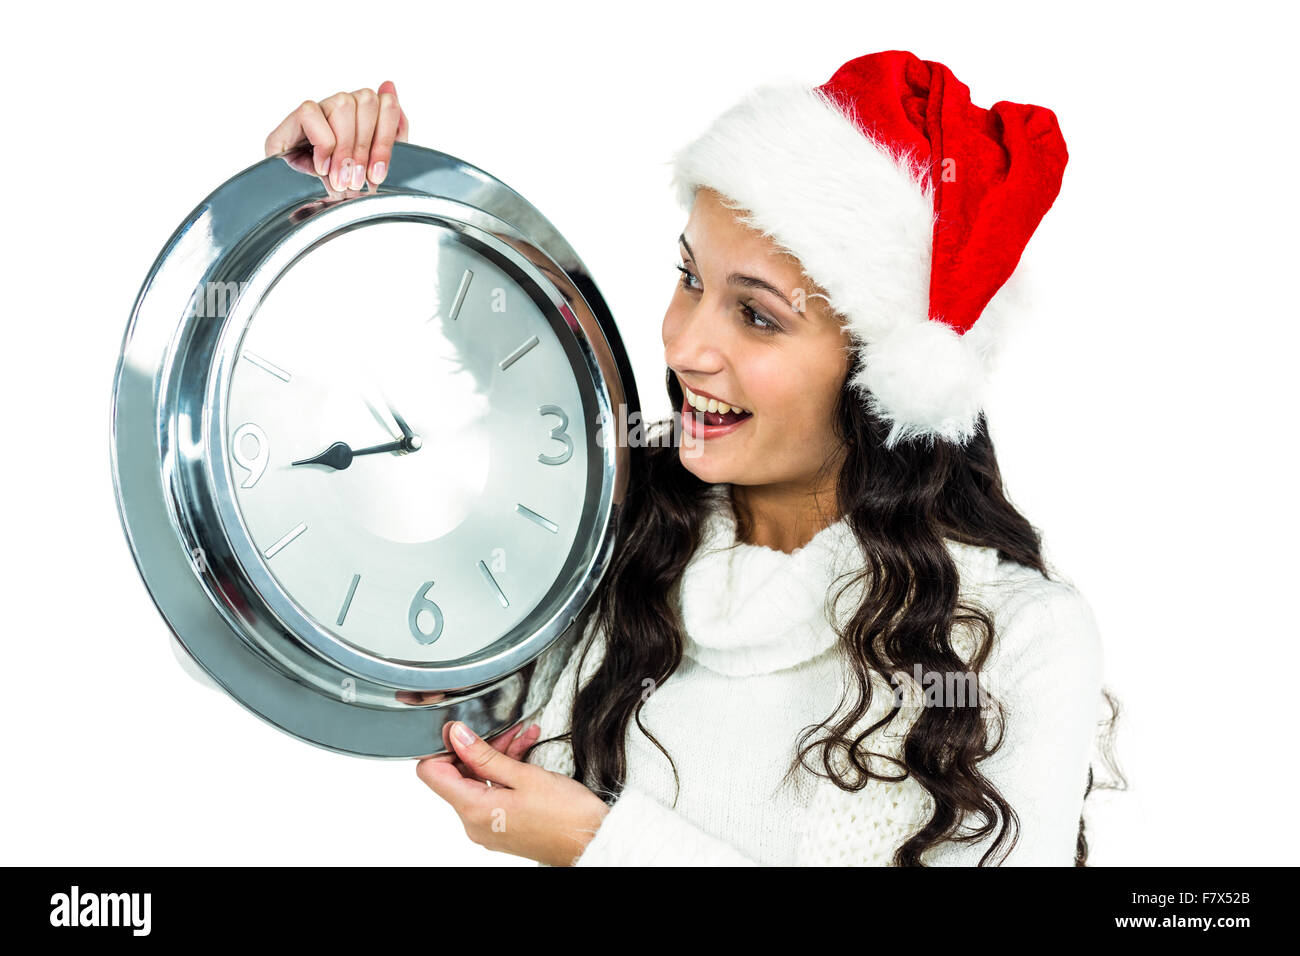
column 713, row 412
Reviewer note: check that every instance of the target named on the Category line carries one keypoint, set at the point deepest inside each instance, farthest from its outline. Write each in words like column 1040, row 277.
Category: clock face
column 429, row 358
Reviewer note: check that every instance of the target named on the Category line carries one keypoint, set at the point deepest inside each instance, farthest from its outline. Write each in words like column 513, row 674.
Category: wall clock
column 358, row 451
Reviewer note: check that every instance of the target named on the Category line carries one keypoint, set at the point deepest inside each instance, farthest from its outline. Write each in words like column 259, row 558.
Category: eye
column 753, row 317
column 753, row 320
column 687, row 277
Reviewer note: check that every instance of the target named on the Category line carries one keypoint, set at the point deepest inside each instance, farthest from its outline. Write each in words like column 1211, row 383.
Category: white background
column 1143, row 421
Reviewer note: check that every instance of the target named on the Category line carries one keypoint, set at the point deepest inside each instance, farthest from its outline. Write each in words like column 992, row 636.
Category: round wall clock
column 359, row 449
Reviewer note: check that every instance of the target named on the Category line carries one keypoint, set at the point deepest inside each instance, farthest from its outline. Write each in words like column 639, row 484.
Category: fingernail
column 358, row 176
column 463, row 734
column 378, row 171
column 325, row 167
column 345, row 175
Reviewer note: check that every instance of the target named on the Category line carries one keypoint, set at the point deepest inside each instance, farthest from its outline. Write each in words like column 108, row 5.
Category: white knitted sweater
column 762, row 663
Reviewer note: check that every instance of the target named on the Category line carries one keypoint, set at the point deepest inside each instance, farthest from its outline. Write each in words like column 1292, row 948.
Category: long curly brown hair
column 901, row 503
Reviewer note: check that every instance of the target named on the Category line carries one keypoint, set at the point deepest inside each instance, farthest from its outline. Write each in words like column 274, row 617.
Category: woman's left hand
column 528, row 811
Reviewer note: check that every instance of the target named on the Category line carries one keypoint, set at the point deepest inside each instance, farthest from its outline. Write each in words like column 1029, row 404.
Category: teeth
column 710, row 404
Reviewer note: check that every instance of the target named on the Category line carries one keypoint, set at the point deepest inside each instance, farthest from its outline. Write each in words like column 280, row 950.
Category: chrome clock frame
column 175, row 492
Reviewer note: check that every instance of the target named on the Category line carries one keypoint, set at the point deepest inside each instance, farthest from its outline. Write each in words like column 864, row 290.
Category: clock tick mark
column 518, row 353
column 537, row 519
column 347, row 602
column 274, row 549
column 266, row 366
column 460, row 294
column 493, row 581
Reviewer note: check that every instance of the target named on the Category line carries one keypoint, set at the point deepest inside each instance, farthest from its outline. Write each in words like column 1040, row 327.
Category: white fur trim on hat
column 860, row 219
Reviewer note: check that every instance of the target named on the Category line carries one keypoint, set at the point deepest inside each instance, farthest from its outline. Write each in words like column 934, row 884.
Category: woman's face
column 779, row 354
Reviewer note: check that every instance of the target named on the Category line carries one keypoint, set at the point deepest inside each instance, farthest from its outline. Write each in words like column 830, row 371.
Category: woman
column 826, row 635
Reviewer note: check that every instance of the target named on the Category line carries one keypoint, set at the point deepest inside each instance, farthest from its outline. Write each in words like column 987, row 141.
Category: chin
column 709, row 466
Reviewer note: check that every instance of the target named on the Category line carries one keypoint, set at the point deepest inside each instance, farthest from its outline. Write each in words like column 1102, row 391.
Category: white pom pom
column 926, row 380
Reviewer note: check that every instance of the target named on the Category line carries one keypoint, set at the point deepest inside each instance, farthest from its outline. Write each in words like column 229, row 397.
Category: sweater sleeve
column 641, row 831
column 638, row 830
column 1049, row 679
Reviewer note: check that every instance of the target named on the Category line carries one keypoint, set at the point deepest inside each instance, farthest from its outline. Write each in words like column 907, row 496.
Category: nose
column 693, row 340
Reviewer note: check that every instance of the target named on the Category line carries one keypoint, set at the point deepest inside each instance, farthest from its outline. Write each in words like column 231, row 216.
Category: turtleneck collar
column 749, row 609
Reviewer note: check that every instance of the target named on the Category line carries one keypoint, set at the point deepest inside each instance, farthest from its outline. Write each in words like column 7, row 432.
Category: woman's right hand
column 510, row 742
column 351, row 136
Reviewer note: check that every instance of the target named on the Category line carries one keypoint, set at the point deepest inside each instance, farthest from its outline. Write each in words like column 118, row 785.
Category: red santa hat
column 909, row 205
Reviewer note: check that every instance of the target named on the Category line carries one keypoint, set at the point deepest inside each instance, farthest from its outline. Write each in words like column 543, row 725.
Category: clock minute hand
column 376, row 399
column 412, row 440
column 340, row 454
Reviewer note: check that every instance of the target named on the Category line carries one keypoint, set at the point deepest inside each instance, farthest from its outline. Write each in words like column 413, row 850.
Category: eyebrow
column 748, row 281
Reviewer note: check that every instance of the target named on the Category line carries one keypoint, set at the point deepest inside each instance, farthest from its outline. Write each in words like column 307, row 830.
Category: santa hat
column 909, row 205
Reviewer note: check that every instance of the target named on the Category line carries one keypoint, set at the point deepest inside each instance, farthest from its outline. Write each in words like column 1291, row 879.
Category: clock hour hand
column 340, row 454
